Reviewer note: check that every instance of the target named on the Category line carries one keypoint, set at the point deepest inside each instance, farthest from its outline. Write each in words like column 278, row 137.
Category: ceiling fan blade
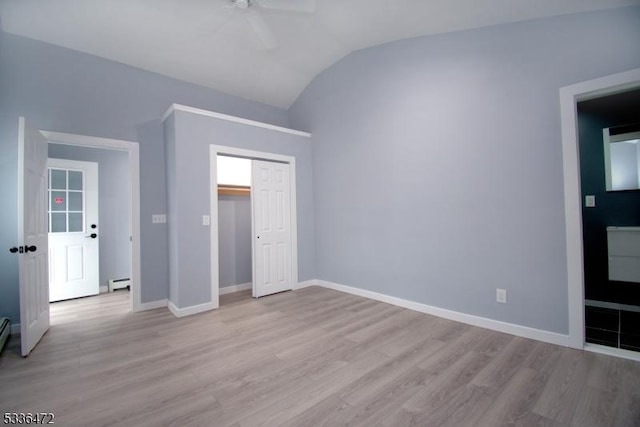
column 308, row 6
column 262, row 30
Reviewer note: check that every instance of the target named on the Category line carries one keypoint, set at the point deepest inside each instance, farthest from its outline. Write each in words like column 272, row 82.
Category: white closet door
column 271, row 201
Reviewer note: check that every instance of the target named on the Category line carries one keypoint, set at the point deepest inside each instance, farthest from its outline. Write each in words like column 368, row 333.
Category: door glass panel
column 75, row 222
column 58, row 179
column 75, row 201
column 66, row 201
column 75, row 180
column 58, row 200
column 58, row 223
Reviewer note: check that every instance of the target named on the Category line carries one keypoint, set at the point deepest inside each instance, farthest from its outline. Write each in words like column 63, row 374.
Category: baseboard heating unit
column 5, row 329
column 118, row 284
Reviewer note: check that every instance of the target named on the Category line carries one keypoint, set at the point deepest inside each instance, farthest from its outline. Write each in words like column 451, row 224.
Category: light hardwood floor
column 311, row 357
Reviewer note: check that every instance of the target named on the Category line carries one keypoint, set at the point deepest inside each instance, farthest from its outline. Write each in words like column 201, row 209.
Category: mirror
column 622, row 157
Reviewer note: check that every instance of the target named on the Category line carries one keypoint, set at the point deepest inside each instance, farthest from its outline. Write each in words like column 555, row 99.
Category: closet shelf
column 233, row 190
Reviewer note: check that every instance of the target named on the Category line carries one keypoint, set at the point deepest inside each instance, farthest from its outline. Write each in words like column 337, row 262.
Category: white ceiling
column 202, row 42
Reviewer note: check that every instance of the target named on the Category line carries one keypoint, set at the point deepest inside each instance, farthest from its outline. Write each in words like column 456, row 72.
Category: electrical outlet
column 501, row 296
column 590, row 201
column 158, row 219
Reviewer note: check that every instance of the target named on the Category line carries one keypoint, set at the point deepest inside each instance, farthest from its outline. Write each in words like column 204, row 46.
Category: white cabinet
column 624, row 253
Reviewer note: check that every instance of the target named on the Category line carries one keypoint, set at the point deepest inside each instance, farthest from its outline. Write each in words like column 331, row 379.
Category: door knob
column 31, row 248
column 13, row 250
column 92, row 235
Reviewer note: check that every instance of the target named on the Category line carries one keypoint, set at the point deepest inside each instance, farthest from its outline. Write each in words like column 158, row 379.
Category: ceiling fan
column 252, row 11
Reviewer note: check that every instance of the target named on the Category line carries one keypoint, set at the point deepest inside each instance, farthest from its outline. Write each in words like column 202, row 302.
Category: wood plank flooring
column 313, row 357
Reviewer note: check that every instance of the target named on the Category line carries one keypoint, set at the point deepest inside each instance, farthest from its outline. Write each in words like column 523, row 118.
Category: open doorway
column 574, row 202
column 116, row 226
column 271, row 208
column 234, row 229
column 609, row 133
column 89, row 224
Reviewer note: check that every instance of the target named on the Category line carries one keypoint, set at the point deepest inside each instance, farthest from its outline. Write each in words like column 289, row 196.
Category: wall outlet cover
column 501, row 296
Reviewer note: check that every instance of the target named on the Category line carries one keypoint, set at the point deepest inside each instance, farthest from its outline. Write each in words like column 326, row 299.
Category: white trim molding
column 191, row 310
column 235, row 119
column 569, row 97
column 613, row 351
column 483, row 322
column 234, row 288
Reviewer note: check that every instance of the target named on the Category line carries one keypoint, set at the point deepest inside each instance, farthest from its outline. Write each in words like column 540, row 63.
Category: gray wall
column 113, row 226
column 234, row 240
column 61, row 90
column 438, row 165
column 189, row 196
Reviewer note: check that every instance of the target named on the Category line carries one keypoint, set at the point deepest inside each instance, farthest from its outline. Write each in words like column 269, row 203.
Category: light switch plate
column 206, row 220
column 590, row 201
column 158, row 219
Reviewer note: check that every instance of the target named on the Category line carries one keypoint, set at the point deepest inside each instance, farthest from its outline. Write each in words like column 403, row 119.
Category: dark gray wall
column 113, row 226
column 190, row 194
column 234, row 240
column 61, row 90
column 437, row 162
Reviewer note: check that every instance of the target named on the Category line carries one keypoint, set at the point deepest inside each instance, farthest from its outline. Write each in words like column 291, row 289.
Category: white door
column 32, row 236
column 73, row 229
column 270, row 199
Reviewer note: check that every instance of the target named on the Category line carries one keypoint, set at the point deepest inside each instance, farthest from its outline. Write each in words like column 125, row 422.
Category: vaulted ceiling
column 215, row 44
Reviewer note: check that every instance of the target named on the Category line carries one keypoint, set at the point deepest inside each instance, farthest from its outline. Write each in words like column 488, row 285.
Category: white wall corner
column 482, row 322
column 194, row 309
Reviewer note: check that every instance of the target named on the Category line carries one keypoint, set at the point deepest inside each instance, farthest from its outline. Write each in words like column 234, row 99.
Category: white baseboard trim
column 152, row 305
column 306, row 284
column 483, row 322
column 611, row 351
column 188, row 311
column 234, row 288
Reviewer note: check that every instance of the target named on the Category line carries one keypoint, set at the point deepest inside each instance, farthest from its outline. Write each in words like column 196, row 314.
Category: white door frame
column 569, row 97
column 214, row 151
column 134, row 194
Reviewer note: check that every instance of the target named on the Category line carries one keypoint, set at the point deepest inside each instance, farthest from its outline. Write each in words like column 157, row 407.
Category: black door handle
column 13, row 250
column 92, row 235
column 31, row 248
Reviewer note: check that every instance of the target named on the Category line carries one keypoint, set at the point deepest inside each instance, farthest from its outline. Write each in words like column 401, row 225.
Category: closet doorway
column 253, row 227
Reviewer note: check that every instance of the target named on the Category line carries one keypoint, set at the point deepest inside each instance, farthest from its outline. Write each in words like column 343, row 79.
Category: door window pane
column 75, row 180
column 58, row 180
column 75, row 222
column 58, row 222
column 58, row 200
column 75, row 201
